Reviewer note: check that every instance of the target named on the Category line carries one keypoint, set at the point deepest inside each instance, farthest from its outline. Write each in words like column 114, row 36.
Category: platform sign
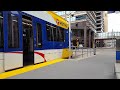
column 118, row 50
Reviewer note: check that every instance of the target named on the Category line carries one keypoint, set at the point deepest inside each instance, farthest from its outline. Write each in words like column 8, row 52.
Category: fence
column 82, row 52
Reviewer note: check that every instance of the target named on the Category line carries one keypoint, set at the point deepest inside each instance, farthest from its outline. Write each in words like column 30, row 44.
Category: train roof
column 49, row 16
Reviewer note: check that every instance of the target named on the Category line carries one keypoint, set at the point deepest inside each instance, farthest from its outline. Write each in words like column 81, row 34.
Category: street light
column 70, row 15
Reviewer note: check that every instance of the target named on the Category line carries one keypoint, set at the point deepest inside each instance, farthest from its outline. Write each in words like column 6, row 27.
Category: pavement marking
column 28, row 68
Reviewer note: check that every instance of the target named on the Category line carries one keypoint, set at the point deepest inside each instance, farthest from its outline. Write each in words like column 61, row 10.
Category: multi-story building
column 105, row 17
column 85, row 24
column 84, row 27
column 101, row 21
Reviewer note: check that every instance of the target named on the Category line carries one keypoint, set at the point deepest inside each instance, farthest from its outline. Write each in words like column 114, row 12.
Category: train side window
column 55, row 33
column 61, row 34
column 58, row 35
column 1, row 30
column 49, row 33
column 13, row 31
column 39, row 35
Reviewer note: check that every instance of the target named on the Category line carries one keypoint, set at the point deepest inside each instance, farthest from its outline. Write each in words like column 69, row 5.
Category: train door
column 28, row 50
column 38, row 42
column 13, row 57
column 1, row 42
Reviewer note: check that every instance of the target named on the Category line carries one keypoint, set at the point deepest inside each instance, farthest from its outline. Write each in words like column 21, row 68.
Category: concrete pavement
column 100, row 66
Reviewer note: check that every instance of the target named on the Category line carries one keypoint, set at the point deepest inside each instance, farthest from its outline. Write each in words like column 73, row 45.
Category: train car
column 31, row 37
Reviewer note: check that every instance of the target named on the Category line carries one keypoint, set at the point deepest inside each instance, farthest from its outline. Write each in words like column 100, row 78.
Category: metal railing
column 81, row 52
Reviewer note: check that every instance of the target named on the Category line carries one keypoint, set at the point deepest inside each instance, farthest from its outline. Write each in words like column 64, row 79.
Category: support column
column 93, row 40
column 85, row 36
column 79, row 35
column 90, row 38
column 94, row 43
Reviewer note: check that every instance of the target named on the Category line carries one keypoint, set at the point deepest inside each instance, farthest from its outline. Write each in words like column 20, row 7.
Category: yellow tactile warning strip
column 28, row 68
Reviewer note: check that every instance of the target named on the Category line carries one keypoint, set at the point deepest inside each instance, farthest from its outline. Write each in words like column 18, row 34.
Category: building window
column 39, row 35
column 98, row 29
column 98, row 21
column 99, row 25
column 98, row 17
column 98, row 13
column 13, row 31
column 1, row 30
column 80, row 17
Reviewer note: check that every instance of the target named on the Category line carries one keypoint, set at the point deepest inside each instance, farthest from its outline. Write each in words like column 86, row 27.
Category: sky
column 114, row 22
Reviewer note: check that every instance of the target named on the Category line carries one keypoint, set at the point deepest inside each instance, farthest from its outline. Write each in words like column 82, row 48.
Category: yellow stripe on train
column 59, row 20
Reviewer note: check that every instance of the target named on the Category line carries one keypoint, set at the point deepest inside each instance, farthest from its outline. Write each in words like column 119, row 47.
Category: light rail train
column 31, row 37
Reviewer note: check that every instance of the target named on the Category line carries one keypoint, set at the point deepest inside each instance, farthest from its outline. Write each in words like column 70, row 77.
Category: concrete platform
column 100, row 66
column 117, row 70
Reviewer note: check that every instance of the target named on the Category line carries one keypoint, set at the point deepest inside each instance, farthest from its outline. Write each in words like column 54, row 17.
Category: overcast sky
column 114, row 22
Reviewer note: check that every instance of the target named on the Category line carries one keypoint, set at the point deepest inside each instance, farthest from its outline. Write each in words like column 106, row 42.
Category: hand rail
column 82, row 51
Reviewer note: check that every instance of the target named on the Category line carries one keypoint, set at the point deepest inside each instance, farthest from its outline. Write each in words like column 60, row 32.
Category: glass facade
column 107, row 35
column 80, row 17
